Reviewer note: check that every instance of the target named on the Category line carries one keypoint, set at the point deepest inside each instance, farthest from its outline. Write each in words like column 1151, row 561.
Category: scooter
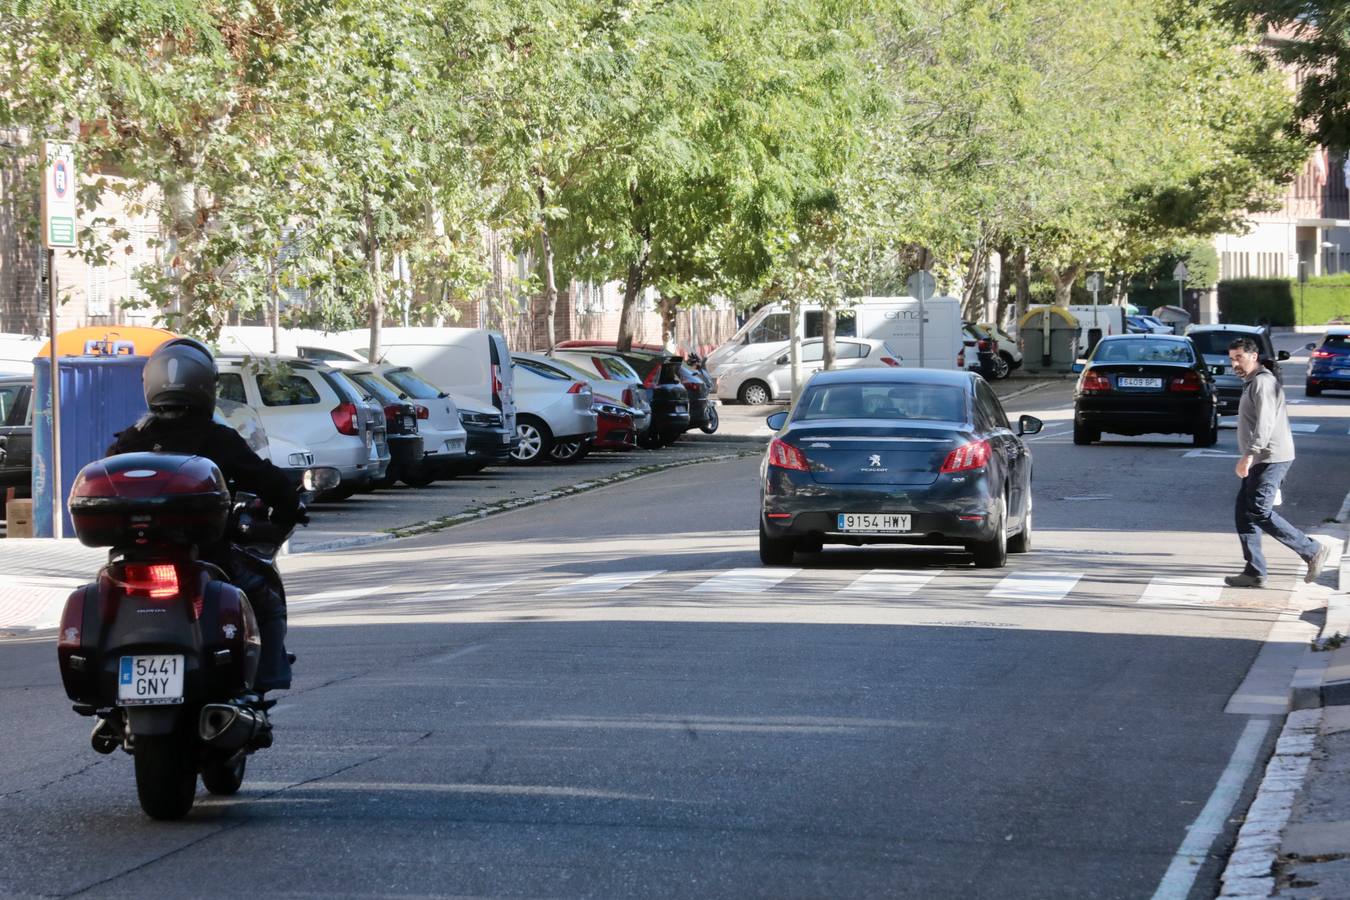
column 162, row 649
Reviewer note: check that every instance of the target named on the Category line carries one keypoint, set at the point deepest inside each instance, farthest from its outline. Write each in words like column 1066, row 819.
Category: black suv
column 16, row 435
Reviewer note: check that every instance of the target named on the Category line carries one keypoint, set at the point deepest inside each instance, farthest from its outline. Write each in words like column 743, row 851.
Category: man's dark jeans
column 1255, row 513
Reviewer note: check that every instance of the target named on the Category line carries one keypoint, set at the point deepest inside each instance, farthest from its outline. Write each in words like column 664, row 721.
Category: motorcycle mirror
column 321, row 478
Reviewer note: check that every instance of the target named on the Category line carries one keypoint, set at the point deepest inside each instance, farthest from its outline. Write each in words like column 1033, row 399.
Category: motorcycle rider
column 180, row 389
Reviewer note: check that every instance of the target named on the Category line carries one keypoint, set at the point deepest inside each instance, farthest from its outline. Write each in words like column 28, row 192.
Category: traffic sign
column 1181, row 273
column 1094, row 282
column 58, row 195
column 921, row 284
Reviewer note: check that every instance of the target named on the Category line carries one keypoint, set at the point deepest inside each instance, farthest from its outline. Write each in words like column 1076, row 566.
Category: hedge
column 1283, row 301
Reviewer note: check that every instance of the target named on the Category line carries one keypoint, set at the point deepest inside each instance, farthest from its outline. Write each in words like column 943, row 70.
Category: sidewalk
column 1295, row 837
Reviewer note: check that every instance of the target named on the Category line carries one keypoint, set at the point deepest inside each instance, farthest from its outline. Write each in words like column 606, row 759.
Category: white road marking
column 1089, row 497
column 1182, row 590
column 890, row 583
column 1036, row 585
column 744, row 581
column 606, row 583
column 1180, row 877
column 1303, row 427
column 461, row 590
column 325, row 596
column 1208, row 454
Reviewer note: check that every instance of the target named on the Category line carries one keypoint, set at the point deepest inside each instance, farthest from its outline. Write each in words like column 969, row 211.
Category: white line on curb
column 1345, row 509
column 1180, row 876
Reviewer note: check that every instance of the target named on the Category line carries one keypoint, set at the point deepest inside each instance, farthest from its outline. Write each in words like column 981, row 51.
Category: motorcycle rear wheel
column 166, row 775
column 221, row 778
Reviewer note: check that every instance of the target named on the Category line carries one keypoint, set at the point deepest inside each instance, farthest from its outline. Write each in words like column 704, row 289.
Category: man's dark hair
column 1246, row 345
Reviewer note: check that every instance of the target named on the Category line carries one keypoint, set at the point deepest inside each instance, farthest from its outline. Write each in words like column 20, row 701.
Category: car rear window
column 9, row 395
column 614, row 369
column 290, row 390
column 231, row 387
column 376, row 387
column 1215, row 343
column 410, row 383
column 542, row 370
column 1336, row 342
column 941, row 402
column 1145, row 351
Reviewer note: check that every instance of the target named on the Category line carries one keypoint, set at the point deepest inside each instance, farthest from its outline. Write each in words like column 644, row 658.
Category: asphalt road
column 472, row 717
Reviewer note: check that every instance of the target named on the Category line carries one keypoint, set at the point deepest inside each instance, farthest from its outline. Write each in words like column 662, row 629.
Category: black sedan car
column 896, row 456
column 1146, row 384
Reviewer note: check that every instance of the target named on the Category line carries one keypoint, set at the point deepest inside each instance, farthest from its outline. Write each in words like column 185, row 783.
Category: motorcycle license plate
column 150, row 680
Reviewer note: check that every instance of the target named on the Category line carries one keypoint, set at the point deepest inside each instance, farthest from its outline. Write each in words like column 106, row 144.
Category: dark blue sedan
column 1329, row 368
column 896, row 456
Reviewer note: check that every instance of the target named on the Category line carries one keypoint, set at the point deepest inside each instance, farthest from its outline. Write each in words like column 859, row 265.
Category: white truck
column 894, row 320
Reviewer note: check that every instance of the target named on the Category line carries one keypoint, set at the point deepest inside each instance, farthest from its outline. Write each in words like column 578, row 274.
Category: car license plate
column 454, row 446
column 150, row 680
column 1139, row 382
column 409, row 423
column 876, row 523
column 681, row 408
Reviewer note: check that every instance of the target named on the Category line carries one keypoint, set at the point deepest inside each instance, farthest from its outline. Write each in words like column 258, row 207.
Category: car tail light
column 961, row 359
column 628, row 399
column 983, row 345
column 785, row 456
column 1094, row 383
column 974, row 455
column 653, row 377
column 1322, row 354
column 344, row 418
column 392, row 413
column 422, row 412
column 891, row 361
column 497, row 387
column 154, row 580
column 1189, row 382
column 576, row 388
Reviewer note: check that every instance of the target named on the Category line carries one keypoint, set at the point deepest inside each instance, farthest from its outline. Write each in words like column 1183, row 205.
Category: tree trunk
column 1001, row 302
column 550, row 281
column 1064, row 279
column 374, row 257
column 828, row 326
column 276, row 307
column 971, row 303
column 1023, row 282
column 631, row 289
column 670, row 306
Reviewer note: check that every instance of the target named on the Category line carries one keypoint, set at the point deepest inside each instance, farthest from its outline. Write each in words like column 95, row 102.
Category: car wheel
column 1312, row 390
column 1021, row 542
column 774, row 551
column 755, row 393
column 1013, row 362
column 417, row 478
column 569, row 451
column 649, row 440
column 536, row 441
column 999, row 366
column 993, row 553
column 1207, row 436
column 1082, row 435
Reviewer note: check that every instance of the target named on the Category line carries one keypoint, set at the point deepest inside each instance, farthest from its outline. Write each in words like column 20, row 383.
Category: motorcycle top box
column 141, row 498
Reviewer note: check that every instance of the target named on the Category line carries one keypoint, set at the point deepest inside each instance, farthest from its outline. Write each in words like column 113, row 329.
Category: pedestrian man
column 1266, row 446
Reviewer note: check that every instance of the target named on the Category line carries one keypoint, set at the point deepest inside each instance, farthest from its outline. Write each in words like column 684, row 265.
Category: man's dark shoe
column 1317, row 563
column 1244, row 580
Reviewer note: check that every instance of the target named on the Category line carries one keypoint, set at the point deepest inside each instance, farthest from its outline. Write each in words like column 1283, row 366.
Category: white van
column 894, row 320
column 474, row 362
column 1094, row 323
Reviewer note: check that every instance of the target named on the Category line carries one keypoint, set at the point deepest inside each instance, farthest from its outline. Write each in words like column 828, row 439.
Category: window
column 539, row 369
column 1215, row 343
column 614, row 369
column 812, row 352
column 851, row 350
column 9, row 396
column 774, row 328
column 845, row 324
column 374, row 386
column 939, row 402
column 1336, row 342
column 989, row 406
column 231, row 387
column 1143, row 351
column 323, row 354
column 408, row 381
column 291, row 390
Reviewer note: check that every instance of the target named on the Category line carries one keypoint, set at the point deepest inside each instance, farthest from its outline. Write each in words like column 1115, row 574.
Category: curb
column 435, row 525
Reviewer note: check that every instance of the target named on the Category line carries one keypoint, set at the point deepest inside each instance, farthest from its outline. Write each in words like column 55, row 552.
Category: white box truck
column 894, row 320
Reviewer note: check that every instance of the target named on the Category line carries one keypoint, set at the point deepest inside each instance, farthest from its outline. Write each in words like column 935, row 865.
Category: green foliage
column 1282, row 301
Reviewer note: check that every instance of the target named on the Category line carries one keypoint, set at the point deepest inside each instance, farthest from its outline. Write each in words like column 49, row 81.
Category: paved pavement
column 606, row 695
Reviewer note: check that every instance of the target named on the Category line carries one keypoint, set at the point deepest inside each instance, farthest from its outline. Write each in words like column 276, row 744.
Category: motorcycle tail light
column 154, row 580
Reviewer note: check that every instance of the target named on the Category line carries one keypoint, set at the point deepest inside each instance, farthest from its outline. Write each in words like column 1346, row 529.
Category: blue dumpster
column 100, row 396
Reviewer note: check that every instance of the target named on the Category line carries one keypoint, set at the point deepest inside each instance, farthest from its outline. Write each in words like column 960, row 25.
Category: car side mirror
column 320, row 478
column 1282, row 355
column 1078, row 366
column 777, row 420
column 1309, row 346
column 782, row 360
column 1029, row 425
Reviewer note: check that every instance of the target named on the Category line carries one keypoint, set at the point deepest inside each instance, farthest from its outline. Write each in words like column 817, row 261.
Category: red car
column 614, row 428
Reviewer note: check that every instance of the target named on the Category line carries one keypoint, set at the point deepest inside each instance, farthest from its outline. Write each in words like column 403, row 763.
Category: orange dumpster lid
column 73, row 343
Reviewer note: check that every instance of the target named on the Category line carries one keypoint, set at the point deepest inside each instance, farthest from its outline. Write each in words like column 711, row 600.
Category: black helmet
column 180, row 379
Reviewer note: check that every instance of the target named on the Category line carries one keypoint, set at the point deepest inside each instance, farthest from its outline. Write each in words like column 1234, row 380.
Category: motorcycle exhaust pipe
column 227, row 726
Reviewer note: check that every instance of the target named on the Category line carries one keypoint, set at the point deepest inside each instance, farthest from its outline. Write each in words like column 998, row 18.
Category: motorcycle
column 700, row 368
column 163, row 648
